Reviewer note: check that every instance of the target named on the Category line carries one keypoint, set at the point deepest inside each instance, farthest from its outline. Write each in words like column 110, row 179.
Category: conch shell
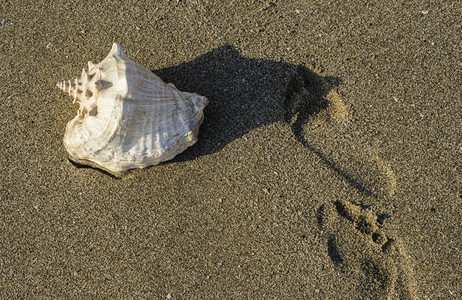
column 128, row 117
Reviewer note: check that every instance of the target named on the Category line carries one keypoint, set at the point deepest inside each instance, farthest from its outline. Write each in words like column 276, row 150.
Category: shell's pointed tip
column 90, row 65
column 61, row 86
column 117, row 49
column 83, row 72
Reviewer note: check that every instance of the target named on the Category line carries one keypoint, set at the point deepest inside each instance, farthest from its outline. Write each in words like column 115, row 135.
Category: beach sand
column 328, row 164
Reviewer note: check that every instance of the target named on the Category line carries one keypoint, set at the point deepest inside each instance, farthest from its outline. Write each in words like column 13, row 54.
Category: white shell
column 128, row 117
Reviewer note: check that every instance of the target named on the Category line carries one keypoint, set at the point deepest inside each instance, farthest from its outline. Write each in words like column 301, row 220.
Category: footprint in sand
column 366, row 258
column 317, row 113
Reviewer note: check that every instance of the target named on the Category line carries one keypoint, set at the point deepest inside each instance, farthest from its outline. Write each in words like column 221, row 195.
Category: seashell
column 128, row 117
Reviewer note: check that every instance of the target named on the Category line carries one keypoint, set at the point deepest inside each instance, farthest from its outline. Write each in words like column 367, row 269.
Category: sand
column 328, row 165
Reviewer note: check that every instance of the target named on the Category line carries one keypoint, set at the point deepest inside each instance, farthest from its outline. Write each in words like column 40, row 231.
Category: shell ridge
column 128, row 117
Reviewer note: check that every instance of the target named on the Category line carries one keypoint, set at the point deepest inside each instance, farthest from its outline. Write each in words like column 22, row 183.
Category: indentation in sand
column 372, row 261
column 317, row 113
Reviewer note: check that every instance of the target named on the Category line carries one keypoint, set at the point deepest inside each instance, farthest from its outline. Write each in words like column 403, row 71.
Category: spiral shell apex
column 128, row 117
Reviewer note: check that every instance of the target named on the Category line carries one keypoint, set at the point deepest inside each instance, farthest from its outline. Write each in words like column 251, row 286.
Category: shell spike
column 90, row 66
column 117, row 50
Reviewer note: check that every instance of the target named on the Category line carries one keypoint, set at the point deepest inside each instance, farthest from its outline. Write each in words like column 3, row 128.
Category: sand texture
column 328, row 164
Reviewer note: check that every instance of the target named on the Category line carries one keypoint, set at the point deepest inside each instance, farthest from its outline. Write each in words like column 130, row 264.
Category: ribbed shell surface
column 139, row 121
